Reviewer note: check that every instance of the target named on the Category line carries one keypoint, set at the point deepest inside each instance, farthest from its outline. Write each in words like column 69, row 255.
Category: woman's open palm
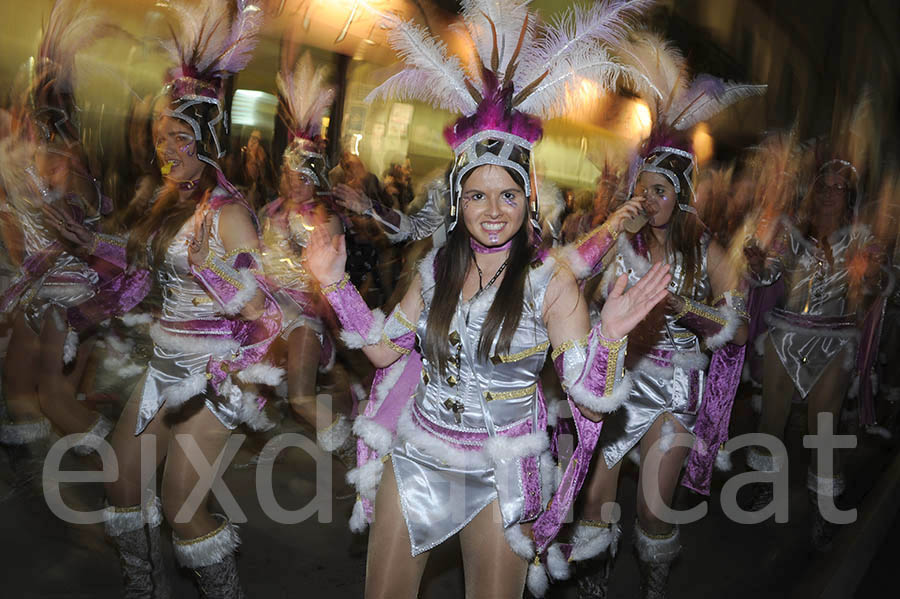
column 623, row 310
column 326, row 256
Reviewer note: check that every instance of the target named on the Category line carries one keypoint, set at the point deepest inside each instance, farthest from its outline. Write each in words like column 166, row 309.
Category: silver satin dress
column 442, row 489
column 283, row 241
column 184, row 299
column 815, row 323
column 68, row 282
column 665, row 361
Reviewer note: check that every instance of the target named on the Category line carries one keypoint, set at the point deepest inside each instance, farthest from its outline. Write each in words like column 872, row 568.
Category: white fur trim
column 557, row 563
column 656, row 550
column 252, row 414
column 570, row 257
column 828, row 487
column 761, row 462
column 70, row 347
column 554, row 404
column 332, row 437
column 120, row 345
column 12, row 433
column 635, row 262
column 551, row 474
column 760, row 344
column 723, row 460
column 354, row 340
column 359, row 393
column 135, row 318
column 366, row 478
column 358, row 521
column 117, row 521
column 602, row 403
column 382, row 389
column 667, row 434
column 244, row 294
column 634, row 455
column 518, row 542
column 591, row 541
column 410, row 432
column 332, row 357
column 726, row 334
column 192, row 344
column 745, row 373
column 193, row 553
column 756, row 403
column 176, row 395
column 373, row 434
column 499, row 448
column 538, row 583
column 878, row 431
column 91, row 439
column 261, row 373
column 685, row 360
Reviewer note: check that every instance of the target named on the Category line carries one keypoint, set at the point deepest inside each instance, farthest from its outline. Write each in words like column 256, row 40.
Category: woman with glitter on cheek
column 471, row 454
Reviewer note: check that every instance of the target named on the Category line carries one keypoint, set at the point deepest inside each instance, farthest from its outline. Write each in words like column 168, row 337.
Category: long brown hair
column 452, row 265
column 683, row 236
column 160, row 225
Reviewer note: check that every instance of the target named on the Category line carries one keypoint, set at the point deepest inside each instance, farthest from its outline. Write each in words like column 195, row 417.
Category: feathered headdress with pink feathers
column 518, row 72
column 209, row 44
column 677, row 103
column 305, row 96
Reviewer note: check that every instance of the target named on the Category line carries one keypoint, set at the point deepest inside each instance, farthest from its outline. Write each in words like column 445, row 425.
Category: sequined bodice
column 183, row 297
column 506, row 384
column 816, row 284
column 283, row 238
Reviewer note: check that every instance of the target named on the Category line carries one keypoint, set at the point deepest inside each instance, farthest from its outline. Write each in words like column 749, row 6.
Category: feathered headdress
column 519, row 73
column 208, row 45
column 304, row 97
column 71, row 27
column 676, row 104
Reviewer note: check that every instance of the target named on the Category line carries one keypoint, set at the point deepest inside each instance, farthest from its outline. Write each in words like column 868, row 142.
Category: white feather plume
column 557, row 91
column 305, row 94
column 507, row 17
column 206, row 37
column 432, row 74
column 607, row 21
column 706, row 97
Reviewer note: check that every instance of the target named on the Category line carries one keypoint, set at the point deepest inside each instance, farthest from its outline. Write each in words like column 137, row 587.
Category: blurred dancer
column 287, row 224
column 200, row 243
column 45, row 172
column 830, row 266
column 666, row 362
column 486, row 309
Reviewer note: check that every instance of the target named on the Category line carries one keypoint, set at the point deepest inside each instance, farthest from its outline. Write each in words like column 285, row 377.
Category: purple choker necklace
column 483, row 249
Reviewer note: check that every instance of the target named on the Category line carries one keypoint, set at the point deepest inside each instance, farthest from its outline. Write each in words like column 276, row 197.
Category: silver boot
column 135, row 533
column 655, row 556
column 211, row 557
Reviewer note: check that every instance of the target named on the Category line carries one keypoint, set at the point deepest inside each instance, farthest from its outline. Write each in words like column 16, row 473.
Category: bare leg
column 657, row 493
column 601, row 490
column 20, row 377
column 778, row 389
column 57, row 389
column 180, row 476
column 303, row 361
column 391, row 571
column 827, row 396
column 491, row 568
column 126, row 490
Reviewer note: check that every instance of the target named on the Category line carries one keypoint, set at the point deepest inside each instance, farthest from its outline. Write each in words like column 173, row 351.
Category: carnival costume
column 815, row 323
column 667, row 360
column 201, row 345
column 285, row 231
column 51, row 277
column 484, row 427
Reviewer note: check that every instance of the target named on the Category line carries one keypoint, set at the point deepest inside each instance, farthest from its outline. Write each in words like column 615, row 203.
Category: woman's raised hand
column 325, row 256
column 623, row 310
column 352, row 199
column 629, row 209
column 198, row 247
column 68, row 230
